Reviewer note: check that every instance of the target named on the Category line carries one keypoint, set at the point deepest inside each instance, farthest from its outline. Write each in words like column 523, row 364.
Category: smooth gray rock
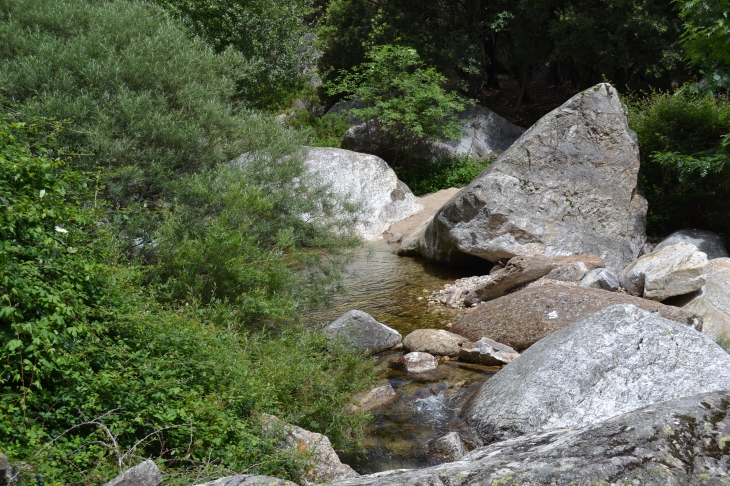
column 450, row 445
column 144, row 474
column 674, row 270
column 418, row 362
column 567, row 186
column 248, row 480
column 600, row 278
column 612, row 362
column 343, row 107
column 372, row 399
column 712, row 302
column 370, row 182
column 435, row 341
column 684, row 441
column 706, row 241
column 361, row 330
column 483, row 133
column 488, row 352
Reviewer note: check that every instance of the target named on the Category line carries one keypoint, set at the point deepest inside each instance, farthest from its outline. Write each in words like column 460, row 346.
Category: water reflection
column 387, row 287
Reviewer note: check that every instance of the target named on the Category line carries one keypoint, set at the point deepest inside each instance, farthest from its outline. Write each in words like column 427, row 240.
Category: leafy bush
column 96, row 375
column 426, row 177
column 321, row 131
column 271, row 35
column 237, row 234
column 685, row 170
column 402, row 97
column 149, row 104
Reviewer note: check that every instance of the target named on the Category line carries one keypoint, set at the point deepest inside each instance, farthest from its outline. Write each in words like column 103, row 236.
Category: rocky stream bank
column 572, row 350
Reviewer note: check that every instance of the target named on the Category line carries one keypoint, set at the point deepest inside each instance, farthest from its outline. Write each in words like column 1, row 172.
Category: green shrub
column 321, row 131
column 96, row 375
column 149, row 104
column 238, row 234
column 403, row 97
column 685, row 163
column 424, row 177
column 271, row 35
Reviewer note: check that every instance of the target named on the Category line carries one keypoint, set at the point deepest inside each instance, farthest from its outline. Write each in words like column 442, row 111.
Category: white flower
column 61, row 230
column 42, row 193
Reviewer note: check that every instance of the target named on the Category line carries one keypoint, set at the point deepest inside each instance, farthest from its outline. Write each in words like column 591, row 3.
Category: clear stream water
column 388, row 287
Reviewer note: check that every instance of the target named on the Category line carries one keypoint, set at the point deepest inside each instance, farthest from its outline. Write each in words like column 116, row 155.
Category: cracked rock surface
column 567, row 186
column 680, row 442
column 617, row 360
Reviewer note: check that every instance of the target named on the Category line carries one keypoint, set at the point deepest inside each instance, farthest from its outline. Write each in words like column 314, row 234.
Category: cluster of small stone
column 452, row 295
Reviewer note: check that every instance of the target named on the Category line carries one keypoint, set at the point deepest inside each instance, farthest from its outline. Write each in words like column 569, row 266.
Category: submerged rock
column 450, row 445
column 488, row 352
column 567, row 186
column 360, row 330
column 144, row 474
column 712, row 302
column 612, row 362
column 706, row 241
column 680, row 441
column 370, row 182
column 372, row 399
column 674, row 270
column 524, row 317
column 435, row 341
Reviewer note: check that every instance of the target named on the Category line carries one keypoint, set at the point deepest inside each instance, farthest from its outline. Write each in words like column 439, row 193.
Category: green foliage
column 706, row 41
column 237, row 234
column 428, row 177
column 321, row 131
column 685, row 171
column 472, row 41
column 402, row 97
column 271, row 36
column 97, row 375
column 149, row 104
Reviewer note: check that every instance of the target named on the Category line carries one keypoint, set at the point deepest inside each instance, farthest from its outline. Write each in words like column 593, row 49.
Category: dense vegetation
column 151, row 291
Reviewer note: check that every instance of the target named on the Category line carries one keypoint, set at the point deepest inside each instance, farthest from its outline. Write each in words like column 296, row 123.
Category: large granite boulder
column 712, row 302
column 524, row 269
column 676, row 442
column 674, row 270
column 361, row 331
column 144, row 474
column 522, row 318
column 706, row 241
column 370, row 182
column 614, row 361
column 435, row 341
column 567, row 186
column 483, row 133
